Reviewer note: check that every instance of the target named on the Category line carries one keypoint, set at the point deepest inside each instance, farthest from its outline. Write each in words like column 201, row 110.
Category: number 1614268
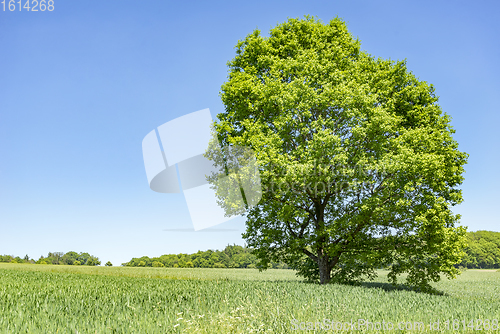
column 27, row 5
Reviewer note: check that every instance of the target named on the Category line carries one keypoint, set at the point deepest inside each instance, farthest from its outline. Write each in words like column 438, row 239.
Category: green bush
column 157, row 264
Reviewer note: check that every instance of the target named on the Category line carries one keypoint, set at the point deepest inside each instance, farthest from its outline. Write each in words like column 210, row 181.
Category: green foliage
column 158, row 264
column 231, row 257
column 57, row 299
column 56, row 258
column 483, row 250
column 17, row 259
column 6, row 258
column 108, row 264
column 93, row 261
column 70, row 258
column 358, row 165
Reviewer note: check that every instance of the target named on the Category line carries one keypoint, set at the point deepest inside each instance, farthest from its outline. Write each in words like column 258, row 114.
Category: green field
column 69, row 299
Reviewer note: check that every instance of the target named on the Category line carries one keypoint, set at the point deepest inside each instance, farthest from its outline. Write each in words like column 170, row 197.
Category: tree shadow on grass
column 400, row 287
column 384, row 286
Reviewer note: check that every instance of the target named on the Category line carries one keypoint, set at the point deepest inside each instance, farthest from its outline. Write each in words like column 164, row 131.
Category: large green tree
column 357, row 162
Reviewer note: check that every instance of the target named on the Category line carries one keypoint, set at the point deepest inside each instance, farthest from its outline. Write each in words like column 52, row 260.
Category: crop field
column 65, row 299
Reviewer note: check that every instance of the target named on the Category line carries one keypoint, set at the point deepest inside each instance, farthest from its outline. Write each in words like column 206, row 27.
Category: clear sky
column 81, row 86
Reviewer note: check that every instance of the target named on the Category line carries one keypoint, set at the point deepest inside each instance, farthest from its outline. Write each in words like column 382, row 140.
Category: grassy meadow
column 69, row 299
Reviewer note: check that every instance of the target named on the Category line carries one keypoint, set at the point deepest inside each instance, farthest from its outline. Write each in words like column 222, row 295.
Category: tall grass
column 65, row 299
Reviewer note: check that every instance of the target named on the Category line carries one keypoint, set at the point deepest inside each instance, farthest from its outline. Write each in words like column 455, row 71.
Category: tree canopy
column 357, row 162
column 483, row 250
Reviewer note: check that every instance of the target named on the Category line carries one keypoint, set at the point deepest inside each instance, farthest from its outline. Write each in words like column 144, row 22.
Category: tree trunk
column 325, row 270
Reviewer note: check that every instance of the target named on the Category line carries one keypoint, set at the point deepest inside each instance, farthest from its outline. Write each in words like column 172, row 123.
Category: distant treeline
column 483, row 251
column 231, row 257
column 70, row 258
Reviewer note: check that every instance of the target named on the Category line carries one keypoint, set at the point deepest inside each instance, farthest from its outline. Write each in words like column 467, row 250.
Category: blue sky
column 80, row 87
